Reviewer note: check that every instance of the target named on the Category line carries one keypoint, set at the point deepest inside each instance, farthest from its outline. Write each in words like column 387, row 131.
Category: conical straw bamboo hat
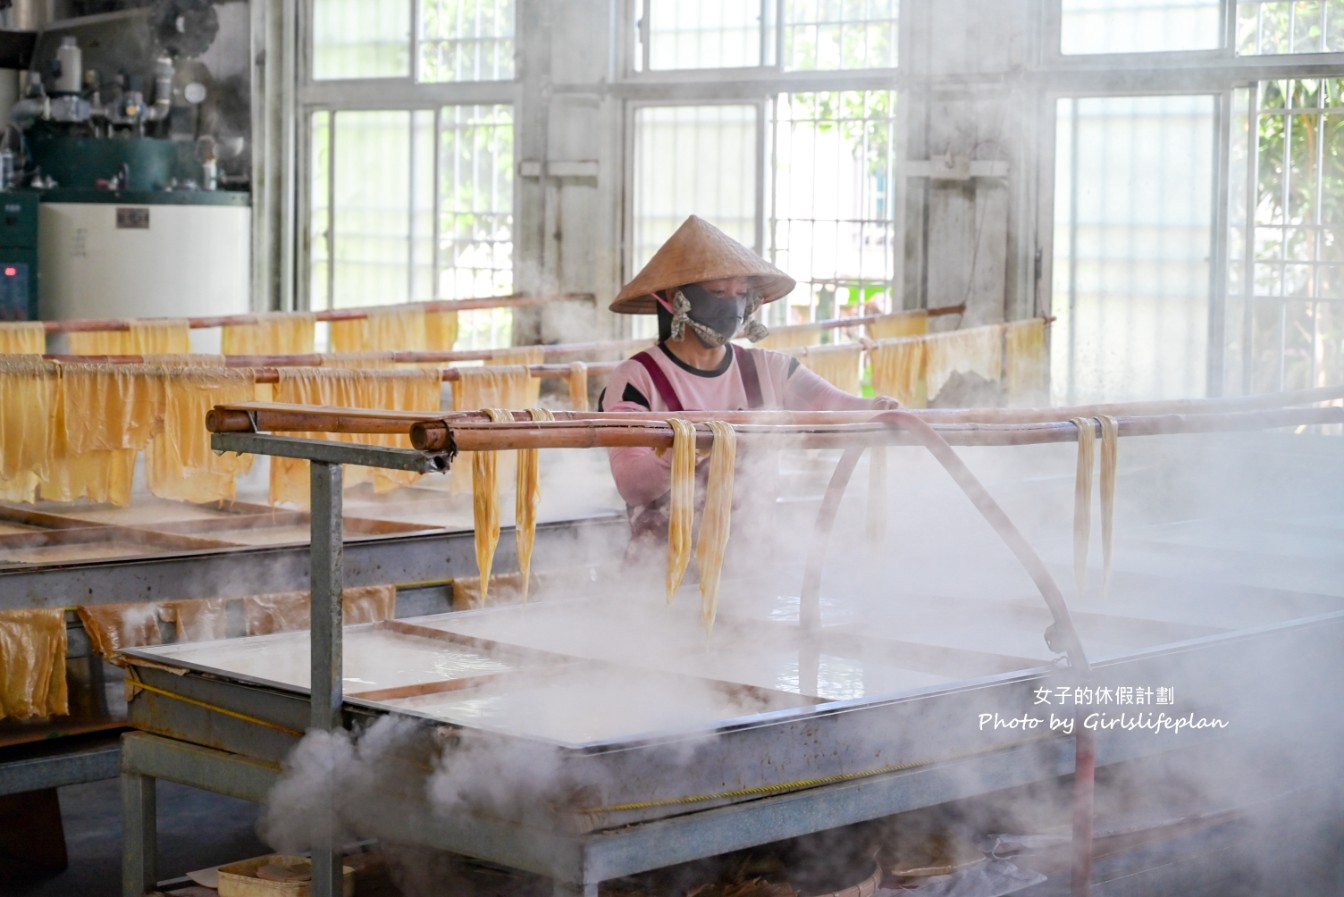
column 697, row 252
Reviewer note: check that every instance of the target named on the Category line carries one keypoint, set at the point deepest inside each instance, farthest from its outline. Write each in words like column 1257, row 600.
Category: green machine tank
column 132, row 163
column 18, row 256
column 132, row 166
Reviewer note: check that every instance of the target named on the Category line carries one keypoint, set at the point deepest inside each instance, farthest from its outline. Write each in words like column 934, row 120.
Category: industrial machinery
column 119, row 132
column 18, row 257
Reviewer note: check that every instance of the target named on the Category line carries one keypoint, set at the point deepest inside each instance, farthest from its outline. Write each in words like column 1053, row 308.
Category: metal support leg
column 139, row 819
column 327, row 559
column 569, row 889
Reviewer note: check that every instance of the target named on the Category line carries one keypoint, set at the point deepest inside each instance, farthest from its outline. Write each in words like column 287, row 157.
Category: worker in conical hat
column 705, row 288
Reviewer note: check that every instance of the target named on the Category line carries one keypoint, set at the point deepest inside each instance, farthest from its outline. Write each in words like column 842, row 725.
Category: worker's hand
column 886, row 403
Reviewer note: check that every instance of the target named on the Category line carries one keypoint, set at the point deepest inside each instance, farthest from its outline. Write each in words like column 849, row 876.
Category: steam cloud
column 940, row 603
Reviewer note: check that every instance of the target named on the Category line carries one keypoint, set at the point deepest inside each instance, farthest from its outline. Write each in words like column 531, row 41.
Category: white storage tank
column 145, row 254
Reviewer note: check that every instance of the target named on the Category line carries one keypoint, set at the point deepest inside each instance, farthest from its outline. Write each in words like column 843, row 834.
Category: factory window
column 812, row 35
column 1139, row 26
column 1286, row 281
column 832, row 222
column 694, row 157
column 449, row 40
column 825, row 203
column 700, row 33
column 1133, row 218
column 369, row 232
column 700, row 159
column 1269, row 27
column 383, row 196
column 475, row 217
column 824, row 36
column 1263, row 27
column 465, row 40
column 350, row 43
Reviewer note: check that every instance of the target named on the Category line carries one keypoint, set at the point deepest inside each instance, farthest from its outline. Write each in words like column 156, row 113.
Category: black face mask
column 723, row 314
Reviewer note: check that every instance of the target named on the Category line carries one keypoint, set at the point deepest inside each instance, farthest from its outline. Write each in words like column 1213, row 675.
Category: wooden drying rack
column 473, row 431
column 265, row 368
column 515, row 300
column 235, row 428
column 437, row 438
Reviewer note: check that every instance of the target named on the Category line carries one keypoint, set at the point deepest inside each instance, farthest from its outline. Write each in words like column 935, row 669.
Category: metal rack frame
column 578, row 861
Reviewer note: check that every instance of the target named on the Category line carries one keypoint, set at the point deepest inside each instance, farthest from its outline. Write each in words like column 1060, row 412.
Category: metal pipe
column 1064, row 631
column 1138, row 418
column 325, row 648
column 140, row 853
column 809, row 601
column 436, row 435
column 163, row 90
column 1084, row 803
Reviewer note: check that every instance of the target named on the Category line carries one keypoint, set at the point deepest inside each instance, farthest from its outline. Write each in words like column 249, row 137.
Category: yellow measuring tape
column 798, row 785
column 785, row 786
column 137, row 683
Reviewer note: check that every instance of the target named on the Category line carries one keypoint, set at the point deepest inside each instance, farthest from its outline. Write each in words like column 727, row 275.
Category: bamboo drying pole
column 859, row 320
column 266, row 374
column 279, row 417
column 483, row 436
column 515, row 300
column 276, row 417
column 469, row 431
column 319, row 359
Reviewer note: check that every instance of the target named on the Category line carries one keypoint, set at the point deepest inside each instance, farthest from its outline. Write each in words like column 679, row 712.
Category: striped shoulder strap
column 660, row 381
column 751, row 378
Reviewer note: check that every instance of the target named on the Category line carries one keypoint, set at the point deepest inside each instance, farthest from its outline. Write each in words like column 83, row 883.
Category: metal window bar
column 873, row 216
column 472, row 148
column 417, row 36
column 1265, row 40
column 1109, row 296
column 472, row 171
column 663, row 134
column 682, row 39
column 475, row 50
column 1216, row 364
column 329, row 199
column 1117, row 22
column 1296, row 281
column 1248, row 248
column 1074, row 139
column 799, row 29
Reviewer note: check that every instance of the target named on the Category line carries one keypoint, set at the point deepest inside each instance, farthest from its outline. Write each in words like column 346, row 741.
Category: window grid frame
column 1281, row 298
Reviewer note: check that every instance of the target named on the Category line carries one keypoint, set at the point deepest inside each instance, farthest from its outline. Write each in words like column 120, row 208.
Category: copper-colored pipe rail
column 278, row 417
column 480, row 436
column 1084, row 804
column 514, row 300
column 469, row 431
column 1121, row 409
column 920, row 432
column 275, row 417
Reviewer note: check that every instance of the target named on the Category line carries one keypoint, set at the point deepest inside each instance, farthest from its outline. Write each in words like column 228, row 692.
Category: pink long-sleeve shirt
column 642, row 474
